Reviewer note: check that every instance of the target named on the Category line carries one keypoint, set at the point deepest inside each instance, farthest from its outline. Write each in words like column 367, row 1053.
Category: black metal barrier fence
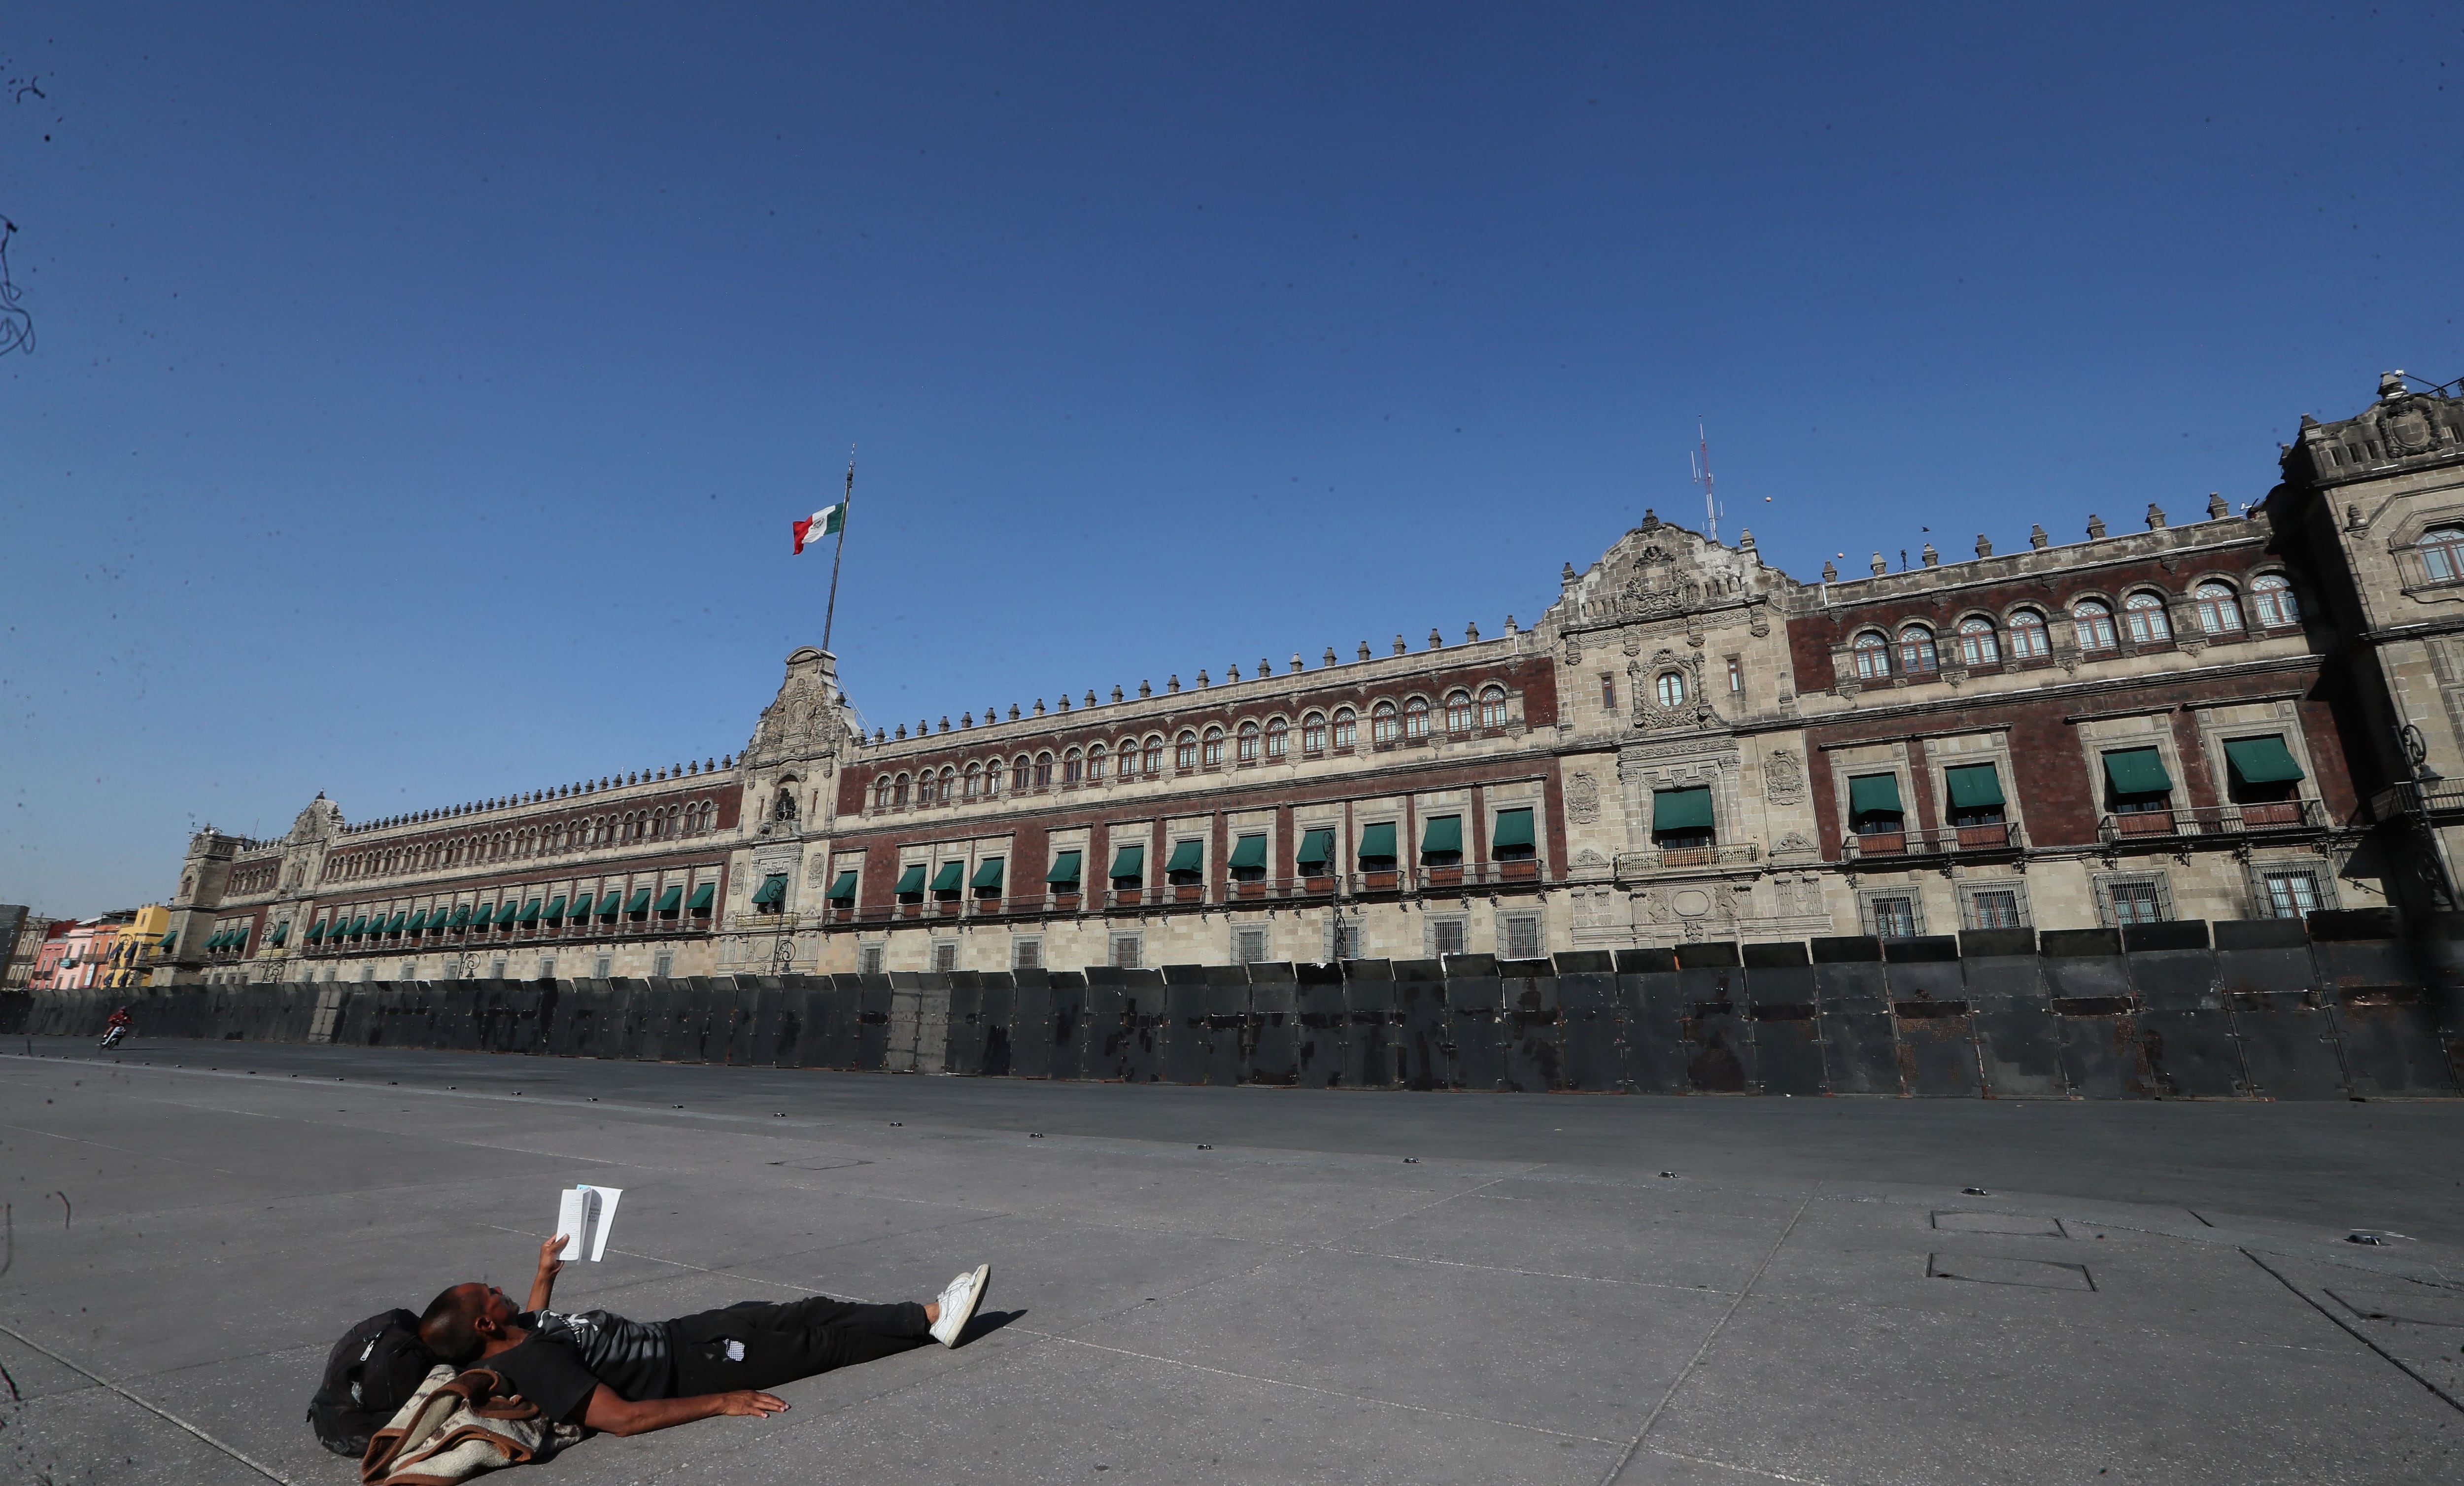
column 2166, row 1010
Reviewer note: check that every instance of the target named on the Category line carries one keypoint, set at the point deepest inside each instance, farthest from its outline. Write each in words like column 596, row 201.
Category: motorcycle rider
column 115, row 1025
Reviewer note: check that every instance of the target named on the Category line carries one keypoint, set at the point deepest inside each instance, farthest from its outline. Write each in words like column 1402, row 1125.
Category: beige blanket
column 456, row 1426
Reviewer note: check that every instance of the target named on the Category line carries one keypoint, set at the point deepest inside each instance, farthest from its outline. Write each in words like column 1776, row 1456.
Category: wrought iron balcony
column 1942, row 840
column 2213, row 820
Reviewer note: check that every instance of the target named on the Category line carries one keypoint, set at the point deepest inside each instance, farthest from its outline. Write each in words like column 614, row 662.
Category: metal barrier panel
column 1420, row 1028
column 2392, row 1041
column 1779, row 986
column 2017, row 1047
column 1318, row 992
column 1654, row 1020
column 2095, row 1014
column 1067, row 1032
column 963, row 1051
column 1371, row 1020
column 1719, row 1038
column 1105, row 1047
column 1590, row 1035
column 656, row 1003
column 1145, row 1029
column 710, row 1025
column 1030, row 1026
column 1184, row 999
column 2288, row 1038
column 779, row 1006
column 873, row 996
column 2185, row 1026
column 1274, row 1025
column 1852, row 1001
column 1000, row 1001
column 1534, row 1027
column 1930, row 1017
column 637, row 1033
column 1226, row 1052
column 826, row 1033
column 747, row 1034
column 1475, row 1037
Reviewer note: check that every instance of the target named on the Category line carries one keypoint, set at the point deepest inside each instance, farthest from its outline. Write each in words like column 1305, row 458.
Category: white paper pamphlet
column 584, row 1217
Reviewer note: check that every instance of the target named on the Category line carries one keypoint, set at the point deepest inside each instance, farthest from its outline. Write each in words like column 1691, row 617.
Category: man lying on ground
column 606, row 1372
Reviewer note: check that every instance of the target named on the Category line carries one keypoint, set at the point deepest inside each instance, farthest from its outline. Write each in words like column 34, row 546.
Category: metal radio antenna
column 1702, row 458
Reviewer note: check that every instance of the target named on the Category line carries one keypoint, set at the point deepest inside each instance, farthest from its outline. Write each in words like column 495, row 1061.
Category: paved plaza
column 1196, row 1284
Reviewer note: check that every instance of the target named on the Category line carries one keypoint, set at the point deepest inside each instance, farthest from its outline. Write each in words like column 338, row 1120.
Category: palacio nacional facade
column 2213, row 714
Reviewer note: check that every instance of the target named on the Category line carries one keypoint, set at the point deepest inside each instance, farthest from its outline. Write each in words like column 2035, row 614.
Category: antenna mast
column 1702, row 458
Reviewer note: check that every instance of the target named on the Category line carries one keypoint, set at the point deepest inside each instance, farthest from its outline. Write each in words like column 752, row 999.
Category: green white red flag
column 824, row 522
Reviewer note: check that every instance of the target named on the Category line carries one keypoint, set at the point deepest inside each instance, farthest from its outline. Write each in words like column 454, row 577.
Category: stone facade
column 2203, row 718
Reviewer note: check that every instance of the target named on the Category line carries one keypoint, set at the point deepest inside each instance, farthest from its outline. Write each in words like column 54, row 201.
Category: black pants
column 784, row 1343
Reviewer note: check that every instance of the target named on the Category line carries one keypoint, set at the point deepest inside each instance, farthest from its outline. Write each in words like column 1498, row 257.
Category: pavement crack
column 2358, row 1335
column 156, row 1410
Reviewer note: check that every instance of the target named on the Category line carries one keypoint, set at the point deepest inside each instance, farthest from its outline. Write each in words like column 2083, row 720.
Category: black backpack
column 373, row 1371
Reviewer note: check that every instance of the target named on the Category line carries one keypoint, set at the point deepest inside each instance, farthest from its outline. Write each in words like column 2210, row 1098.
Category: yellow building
column 126, row 947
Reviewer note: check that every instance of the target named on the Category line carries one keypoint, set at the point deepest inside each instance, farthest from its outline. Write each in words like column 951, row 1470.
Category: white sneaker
column 958, row 1302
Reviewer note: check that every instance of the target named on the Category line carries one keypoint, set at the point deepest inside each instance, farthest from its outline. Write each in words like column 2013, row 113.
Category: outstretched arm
column 543, row 1283
column 612, row 1413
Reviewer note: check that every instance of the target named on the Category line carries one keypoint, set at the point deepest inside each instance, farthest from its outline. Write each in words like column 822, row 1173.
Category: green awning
column 461, row 917
column 2137, row 771
column 1874, row 794
column 399, row 920
column 530, row 911
column 1680, row 810
column 1186, row 856
column 912, row 880
column 641, row 901
column 1377, row 842
column 2261, row 761
column 1973, row 786
column 1442, row 833
column 841, row 891
column 358, row 927
column 700, row 900
column 281, row 932
column 418, row 924
column 1513, row 829
column 215, row 941
column 556, row 908
column 1317, row 847
column 1249, row 852
column 671, row 900
column 615, row 899
column 316, row 932
column 505, row 914
column 170, row 939
column 482, row 915
column 988, row 873
column 773, row 888
column 1064, row 870
column 1129, row 863
column 948, row 876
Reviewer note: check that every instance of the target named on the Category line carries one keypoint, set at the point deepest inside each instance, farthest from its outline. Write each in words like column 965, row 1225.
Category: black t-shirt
column 568, row 1354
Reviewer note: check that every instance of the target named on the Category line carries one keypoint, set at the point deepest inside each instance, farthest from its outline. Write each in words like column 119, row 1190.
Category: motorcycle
column 111, row 1038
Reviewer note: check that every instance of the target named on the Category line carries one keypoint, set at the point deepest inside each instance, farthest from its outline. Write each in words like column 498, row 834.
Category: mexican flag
column 824, row 522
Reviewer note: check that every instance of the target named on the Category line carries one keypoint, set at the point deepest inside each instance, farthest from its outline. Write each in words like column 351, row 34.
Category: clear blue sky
column 421, row 394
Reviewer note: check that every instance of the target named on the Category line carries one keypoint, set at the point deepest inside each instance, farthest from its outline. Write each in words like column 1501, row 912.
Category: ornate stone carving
column 1783, row 778
column 1650, row 714
column 1794, row 841
column 1583, row 798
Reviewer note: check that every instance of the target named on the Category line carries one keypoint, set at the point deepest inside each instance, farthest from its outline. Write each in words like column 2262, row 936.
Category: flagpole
column 846, row 509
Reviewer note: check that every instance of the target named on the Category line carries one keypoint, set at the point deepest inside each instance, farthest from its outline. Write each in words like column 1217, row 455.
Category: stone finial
column 1145, row 689
column 2095, row 529
column 1090, row 697
column 1932, row 558
column 1829, row 572
column 2217, row 510
column 1983, row 546
column 1329, row 655
column 1568, row 576
column 1436, row 640
column 1510, row 624
column 902, row 729
column 1116, row 694
column 709, row 764
column 878, row 736
column 1265, row 668
column 1232, row 672
column 727, row 761
column 1202, row 681
column 1745, row 539
column 1013, row 712
column 945, row 721
column 1471, row 634
column 1038, row 705
column 1400, row 648
column 2036, row 537
column 1296, row 660
column 968, row 719
column 1064, row 701
column 2391, row 383
column 691, row 768
column 1880, row 564
column 1171, row 682
column 1364, row 650
column 2155, row 516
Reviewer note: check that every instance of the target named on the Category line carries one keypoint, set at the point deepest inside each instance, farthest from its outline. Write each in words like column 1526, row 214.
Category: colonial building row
column 2249, row 713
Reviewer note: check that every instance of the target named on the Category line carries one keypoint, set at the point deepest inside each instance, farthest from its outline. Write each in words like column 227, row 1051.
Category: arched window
column 1347, row 727
column 1278, row 739
column 1044, row 771
column 1384, row 724
column 1128, row 768
column 1492, row 706
column 1977, row 645
column 1915, row 650
column 1249, row 753
column 1669, row 686
column 1155, row 754
column 2442, row 553
column 1415, row 720
column 1095, row 764
column 1459, row 712
column 2092, row 619
column 1212, row 754
column 2219, row 613
column 974, row 780
column 923, row 788
column 1184, row 752
column 2028, row 640
column 1313, row 733
column 2272, row 597
column 949, row 781
column 1073, row 768
column 1873, row 655
column 2144, row 612
column 992, row 779
column 1022, row 774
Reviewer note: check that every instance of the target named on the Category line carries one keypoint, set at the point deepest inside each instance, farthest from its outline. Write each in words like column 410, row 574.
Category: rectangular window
column 410, row 969
column 1736, row 677
column 1124, row 951
column 1248, row 946
column 945, row 957
column 1894, row 917
column 867, row 960
column 498, row 972
column 600, row 966
column 1027, row 954
column 1608, row 692
column 2291, row 894
column 1521, row 939
column 1681, row 819
column 1996, row 909
column 661, row 964
column 547, row 969
column 2135, row 903
column 1447, row 937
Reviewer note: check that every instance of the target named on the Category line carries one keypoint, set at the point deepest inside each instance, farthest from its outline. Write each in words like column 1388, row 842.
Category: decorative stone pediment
column 1691, row 712
column 807, row 720
column 1660, row 572
column 319, row 822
